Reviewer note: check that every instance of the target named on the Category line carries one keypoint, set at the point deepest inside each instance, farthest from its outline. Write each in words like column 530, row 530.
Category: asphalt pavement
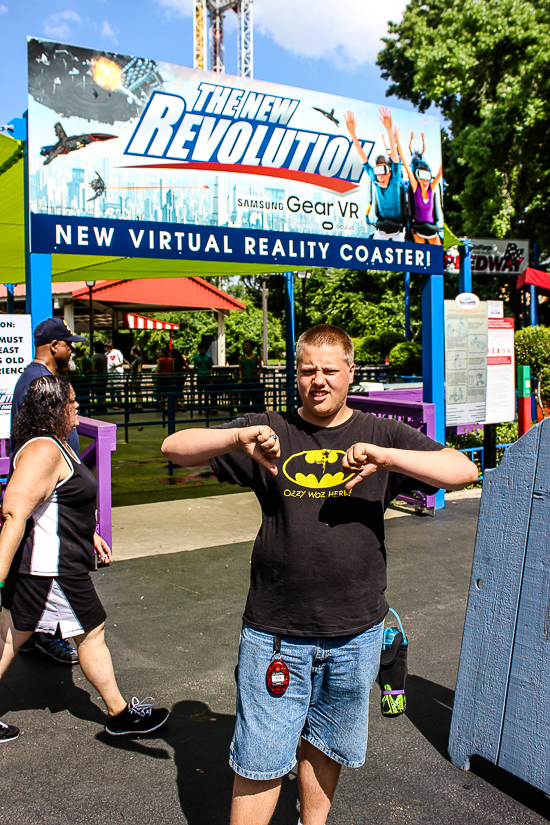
column 173, row 626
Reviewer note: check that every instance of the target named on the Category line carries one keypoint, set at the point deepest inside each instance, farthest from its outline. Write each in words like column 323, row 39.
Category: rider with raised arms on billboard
column 424, row 187
column 386, row 177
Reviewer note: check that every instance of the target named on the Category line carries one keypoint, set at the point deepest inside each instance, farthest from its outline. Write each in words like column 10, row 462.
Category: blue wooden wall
column 502, row 701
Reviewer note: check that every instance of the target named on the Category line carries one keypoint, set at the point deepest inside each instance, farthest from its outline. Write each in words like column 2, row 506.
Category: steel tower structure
column 212, row 31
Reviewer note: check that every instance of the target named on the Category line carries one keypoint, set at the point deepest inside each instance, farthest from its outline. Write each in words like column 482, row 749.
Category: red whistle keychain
column 277, row 675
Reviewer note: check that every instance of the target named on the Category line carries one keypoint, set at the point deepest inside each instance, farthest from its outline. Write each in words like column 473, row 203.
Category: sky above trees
column 315, row 44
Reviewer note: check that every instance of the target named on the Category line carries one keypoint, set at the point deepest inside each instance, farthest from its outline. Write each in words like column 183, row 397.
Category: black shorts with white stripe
column 40, row 603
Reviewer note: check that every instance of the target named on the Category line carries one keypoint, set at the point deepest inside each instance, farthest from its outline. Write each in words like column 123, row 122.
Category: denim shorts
column 326, row 702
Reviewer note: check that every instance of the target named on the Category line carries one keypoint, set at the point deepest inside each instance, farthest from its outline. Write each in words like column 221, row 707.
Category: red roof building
column 111, row 300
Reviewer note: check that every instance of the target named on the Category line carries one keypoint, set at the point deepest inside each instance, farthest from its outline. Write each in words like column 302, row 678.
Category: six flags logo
column 232, row 130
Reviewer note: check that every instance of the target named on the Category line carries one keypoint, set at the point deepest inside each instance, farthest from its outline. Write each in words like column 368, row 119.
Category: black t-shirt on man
column 319, row 562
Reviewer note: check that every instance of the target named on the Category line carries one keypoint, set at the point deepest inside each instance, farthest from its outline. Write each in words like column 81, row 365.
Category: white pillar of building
column 68, row 314
column 221, row 338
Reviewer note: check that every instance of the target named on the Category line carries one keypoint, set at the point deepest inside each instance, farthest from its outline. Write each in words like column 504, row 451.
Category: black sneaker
column 137, row 717
column 29, row 646
column 8, row 732
column 58, row 649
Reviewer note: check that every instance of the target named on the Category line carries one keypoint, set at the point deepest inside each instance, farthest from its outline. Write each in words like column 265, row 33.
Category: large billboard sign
column 133, row 157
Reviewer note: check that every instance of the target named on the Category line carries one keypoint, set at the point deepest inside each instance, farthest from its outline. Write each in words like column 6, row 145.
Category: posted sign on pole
column 501, row 386
column 479, row 358
column 465, row 360
column 15, row 355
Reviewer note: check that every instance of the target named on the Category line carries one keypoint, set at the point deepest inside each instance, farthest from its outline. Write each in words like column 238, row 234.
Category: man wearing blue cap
column 53, row 350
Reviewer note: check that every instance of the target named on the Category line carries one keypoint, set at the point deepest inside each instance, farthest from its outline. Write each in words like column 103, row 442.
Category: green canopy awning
column 84, row 267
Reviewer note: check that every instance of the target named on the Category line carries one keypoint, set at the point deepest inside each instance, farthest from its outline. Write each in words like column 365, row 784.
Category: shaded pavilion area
column 113, row 300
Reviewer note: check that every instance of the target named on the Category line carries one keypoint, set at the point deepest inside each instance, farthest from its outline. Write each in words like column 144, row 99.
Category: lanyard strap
column 391, row 610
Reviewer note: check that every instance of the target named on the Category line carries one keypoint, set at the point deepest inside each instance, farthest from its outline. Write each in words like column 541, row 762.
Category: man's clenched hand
column 363, row 460
column 261, row 444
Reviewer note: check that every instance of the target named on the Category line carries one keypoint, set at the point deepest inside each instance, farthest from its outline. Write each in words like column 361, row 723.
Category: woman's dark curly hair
column 45, row 409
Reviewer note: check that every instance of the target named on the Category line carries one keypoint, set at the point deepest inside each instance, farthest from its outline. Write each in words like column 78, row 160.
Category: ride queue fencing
column 180, row 397
column 185, row 397
column 189, row 398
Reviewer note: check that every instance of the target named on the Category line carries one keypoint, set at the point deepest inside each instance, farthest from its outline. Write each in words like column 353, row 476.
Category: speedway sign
column 138, row 158
column 493, row 257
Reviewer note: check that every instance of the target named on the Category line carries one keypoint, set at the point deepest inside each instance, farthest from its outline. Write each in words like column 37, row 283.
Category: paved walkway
column 173, row 629
column 189, row 524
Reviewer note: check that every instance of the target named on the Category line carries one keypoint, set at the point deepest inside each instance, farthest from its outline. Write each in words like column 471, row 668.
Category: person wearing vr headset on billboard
column 424, row 187
column 386, row 177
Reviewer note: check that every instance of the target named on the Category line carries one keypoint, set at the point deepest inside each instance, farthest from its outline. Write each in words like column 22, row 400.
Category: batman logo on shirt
column 316, row 469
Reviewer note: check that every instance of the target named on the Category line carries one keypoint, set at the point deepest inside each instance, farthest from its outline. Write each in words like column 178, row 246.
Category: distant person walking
column 136, row 375
column 203, row 364
column 163, row 375
column 115, row 371
column 250, row 369
column 82, row 381
column 182, row 369
column 99, row 372
column 47, row 550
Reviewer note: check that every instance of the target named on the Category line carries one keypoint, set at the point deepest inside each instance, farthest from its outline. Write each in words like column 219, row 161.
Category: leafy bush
column 506, row 434
column 367, row 350
column 532, row 346
column 389, row 339
column 406, row 358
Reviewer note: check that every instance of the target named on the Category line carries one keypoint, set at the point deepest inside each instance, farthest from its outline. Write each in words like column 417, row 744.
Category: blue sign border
column 143, row 239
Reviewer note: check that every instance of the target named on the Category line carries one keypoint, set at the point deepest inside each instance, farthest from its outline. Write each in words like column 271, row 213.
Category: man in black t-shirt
column 313, row 621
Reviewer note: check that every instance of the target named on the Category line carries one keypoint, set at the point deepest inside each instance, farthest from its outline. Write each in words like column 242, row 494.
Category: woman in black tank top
column 48, row 546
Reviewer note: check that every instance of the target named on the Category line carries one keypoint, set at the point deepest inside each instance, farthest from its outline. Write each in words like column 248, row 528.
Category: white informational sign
column 501, row 388
column 465, row 362
column 16, row 347
column 495, row 309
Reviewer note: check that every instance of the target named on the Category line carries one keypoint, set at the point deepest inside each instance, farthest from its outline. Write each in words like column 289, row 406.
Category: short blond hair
column 326, row 335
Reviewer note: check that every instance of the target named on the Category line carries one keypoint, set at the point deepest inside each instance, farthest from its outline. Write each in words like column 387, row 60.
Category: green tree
column 364, row 303
column 248, row 324
column 486, row 65
column 194, row 326
column 368, row 350
column 532, row 346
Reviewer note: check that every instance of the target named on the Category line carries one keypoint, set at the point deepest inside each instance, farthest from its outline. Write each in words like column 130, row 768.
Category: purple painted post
column 415, row 413
column 4, row 458
column 98, row 456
